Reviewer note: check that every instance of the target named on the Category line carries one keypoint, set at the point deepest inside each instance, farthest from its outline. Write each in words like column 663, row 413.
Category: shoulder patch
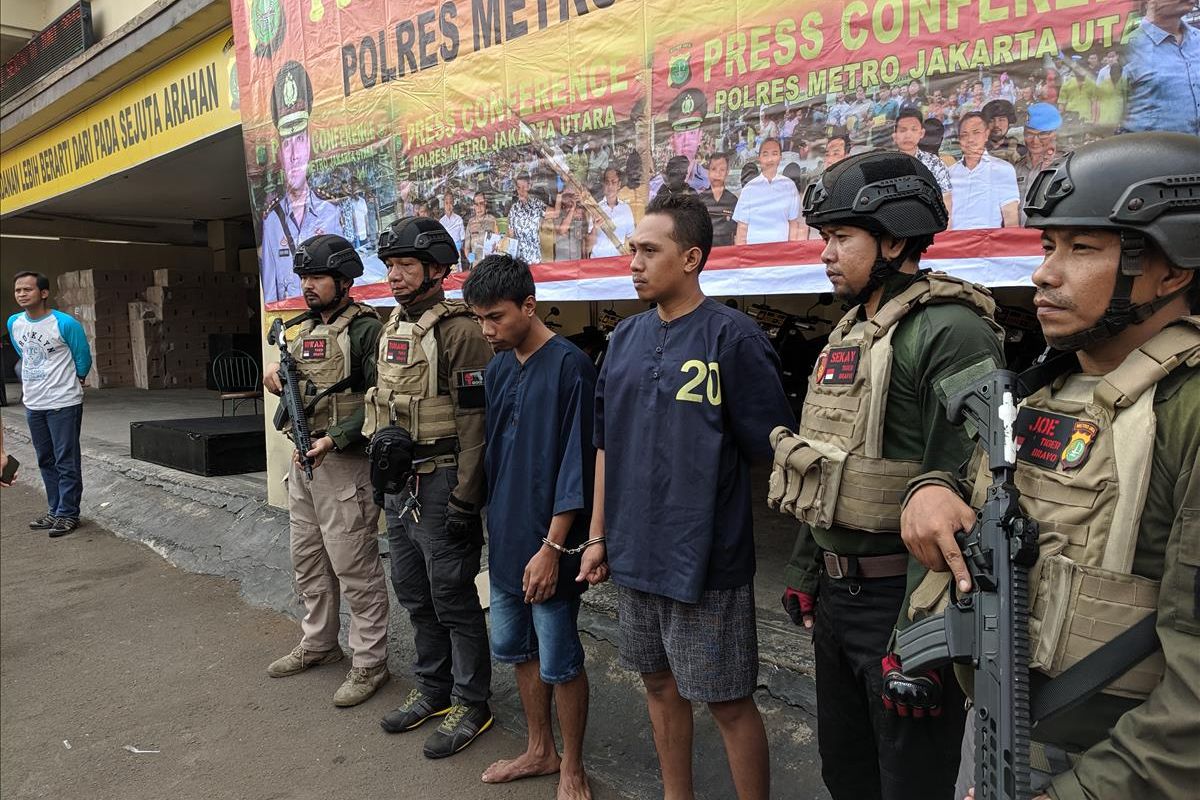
column 469, row 386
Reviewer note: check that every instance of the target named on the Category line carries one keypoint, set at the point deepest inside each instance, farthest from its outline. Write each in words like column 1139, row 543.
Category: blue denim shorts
column 548, row 632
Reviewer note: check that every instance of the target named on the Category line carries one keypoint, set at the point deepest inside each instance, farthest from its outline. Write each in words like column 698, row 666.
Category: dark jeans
column 434, row 579
column 55, row 435
column 866, row 751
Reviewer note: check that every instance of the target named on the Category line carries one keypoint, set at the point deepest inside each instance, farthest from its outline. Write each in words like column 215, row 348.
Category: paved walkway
column 106, row 645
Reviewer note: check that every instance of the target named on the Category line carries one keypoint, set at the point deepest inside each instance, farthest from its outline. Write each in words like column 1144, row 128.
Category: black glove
column 916, row 695
column 462, row 522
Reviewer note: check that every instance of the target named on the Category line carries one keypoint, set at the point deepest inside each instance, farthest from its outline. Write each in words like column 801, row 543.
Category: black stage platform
column 202, row 446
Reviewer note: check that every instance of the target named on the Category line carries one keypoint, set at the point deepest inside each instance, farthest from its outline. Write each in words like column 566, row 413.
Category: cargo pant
column 335, row 553
column 867, row 751
column 434, row 578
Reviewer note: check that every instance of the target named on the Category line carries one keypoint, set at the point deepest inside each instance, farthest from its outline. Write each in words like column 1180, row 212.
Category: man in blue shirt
column 540, row 398
column 55, row 358
column 1163, row 71
column 686, row 400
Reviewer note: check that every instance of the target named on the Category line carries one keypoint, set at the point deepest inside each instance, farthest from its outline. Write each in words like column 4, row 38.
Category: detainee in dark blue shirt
column 687, row 398
column 539, row 462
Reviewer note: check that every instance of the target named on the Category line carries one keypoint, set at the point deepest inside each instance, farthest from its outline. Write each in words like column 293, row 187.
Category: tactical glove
column 798, row 604
column 916, row 695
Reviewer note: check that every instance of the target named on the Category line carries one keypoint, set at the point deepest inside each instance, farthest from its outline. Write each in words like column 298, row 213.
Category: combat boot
column 360, row 684
column 300, row 659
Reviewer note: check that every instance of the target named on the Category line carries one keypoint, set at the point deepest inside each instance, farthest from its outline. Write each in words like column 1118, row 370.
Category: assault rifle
column 988, row 627
column 291, row 403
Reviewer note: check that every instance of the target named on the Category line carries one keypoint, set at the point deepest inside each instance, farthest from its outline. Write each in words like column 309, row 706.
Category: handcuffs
column 571, row 551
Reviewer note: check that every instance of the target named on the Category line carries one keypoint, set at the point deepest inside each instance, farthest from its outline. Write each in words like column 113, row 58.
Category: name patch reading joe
column 1042, row 437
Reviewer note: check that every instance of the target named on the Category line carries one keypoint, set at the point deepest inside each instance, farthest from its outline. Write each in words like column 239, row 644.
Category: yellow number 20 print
column 708, row 374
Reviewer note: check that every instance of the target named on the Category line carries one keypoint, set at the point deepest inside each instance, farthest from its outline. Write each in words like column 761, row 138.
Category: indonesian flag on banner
column 992, row 257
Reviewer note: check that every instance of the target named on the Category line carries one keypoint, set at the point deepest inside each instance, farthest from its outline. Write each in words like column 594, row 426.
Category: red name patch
column 313, row 348
column 397, row 351
column 838, row 366
column 1040, row 436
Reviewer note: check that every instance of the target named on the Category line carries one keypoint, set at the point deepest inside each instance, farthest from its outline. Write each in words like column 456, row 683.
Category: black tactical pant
column 434, row 578
column 866, row 751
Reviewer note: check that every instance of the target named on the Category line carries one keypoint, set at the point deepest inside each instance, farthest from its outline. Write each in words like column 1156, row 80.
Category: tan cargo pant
column 335, row 552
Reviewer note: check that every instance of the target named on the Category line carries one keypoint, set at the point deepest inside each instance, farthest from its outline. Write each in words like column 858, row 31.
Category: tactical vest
column 832, row 471
column 406, row 393
column 322, row 353
column 1087, row 494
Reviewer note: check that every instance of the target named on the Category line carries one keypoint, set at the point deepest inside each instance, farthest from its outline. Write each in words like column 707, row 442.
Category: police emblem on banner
column 267, row 23
column 1079, row 445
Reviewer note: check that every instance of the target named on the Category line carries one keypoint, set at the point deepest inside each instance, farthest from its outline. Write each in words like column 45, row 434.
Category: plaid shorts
column 711, row 647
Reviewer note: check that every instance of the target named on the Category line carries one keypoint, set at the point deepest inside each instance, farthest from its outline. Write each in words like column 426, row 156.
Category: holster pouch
column 391, row 456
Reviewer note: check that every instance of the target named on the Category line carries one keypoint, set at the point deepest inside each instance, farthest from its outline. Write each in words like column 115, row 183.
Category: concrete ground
column 105, row 645
column 222, row 526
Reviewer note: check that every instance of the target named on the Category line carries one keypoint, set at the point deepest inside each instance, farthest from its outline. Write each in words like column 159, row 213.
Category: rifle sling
column 344, row 383
column 281, row 419
column 1100, row 668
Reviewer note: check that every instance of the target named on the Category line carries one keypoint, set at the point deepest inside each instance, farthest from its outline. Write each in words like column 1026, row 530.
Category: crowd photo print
column 542, row 130
column 987, row 470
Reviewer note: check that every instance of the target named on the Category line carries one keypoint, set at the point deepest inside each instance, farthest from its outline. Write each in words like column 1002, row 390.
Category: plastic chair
column 236, row 374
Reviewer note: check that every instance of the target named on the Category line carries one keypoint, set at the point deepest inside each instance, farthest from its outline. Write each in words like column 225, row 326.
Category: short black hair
column 969, row 116
column 720, row 155
column 692, row 227
column 497, row 278
column 910, row 113
column 771, row 139
column 43, row 283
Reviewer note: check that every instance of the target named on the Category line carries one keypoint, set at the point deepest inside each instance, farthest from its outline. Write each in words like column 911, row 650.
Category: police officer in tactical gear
column 431, row 361
column 335, row 550
column 1108, row 464
column 873, row 417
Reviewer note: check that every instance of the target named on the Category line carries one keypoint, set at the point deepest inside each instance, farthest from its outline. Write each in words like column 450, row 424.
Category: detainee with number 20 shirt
column 686, row 400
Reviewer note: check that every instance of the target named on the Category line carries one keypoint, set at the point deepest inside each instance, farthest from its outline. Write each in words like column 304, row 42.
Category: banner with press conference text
column 543, row 128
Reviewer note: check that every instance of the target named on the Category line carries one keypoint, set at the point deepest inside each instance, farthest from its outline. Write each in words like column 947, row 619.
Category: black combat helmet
column 882, row 191
column 327, row 254
column 418, row 237
column 1143, row 186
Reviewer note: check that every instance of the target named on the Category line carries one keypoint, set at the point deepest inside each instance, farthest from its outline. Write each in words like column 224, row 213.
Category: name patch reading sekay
column 838, row 366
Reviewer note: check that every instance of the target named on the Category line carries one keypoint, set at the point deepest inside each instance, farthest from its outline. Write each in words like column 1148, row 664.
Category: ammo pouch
column 805, row 478
column 1077, row 608
column 391, row 456
column 821, row 484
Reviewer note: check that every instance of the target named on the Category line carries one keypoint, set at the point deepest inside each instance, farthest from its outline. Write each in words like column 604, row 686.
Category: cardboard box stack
column 99, row 299
column 171, row 326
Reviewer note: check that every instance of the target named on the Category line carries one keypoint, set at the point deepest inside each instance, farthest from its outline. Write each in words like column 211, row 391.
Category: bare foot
column 574, row 786
column 523, row 766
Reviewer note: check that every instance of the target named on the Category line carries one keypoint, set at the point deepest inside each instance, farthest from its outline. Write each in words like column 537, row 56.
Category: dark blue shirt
column 682, row 409
column 539, row 457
